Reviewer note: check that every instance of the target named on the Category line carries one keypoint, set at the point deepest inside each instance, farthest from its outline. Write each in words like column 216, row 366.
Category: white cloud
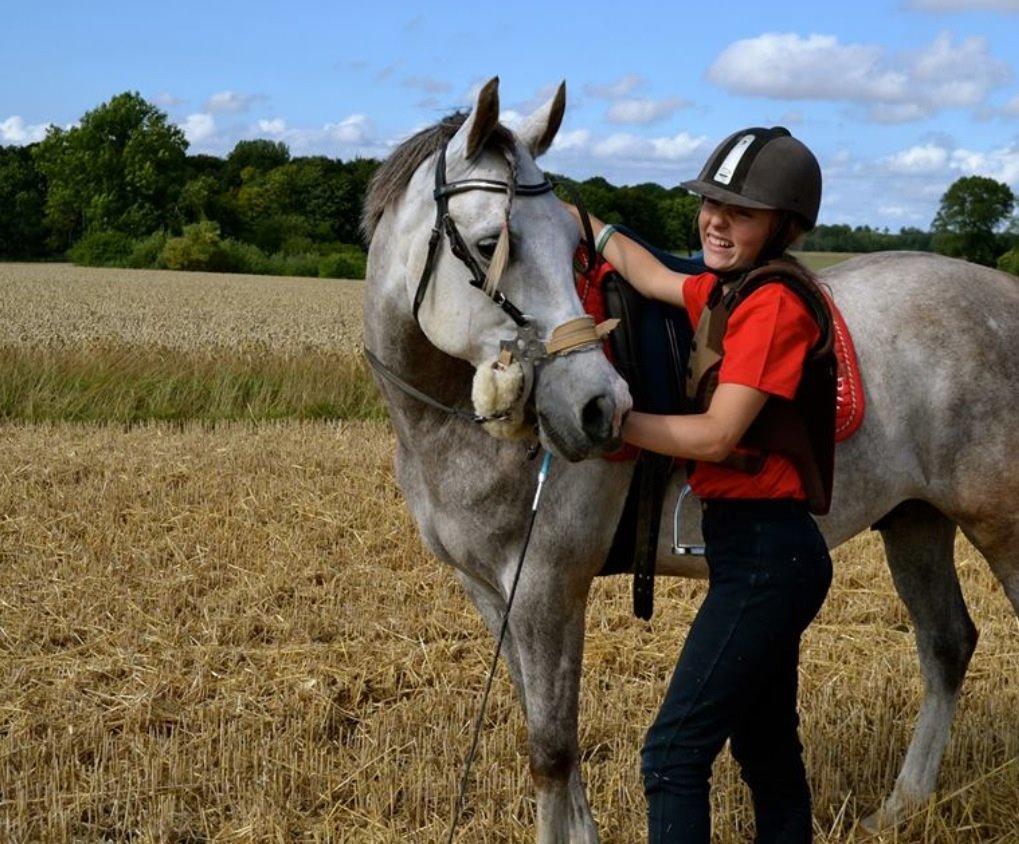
column 626, row 146
column 643, row 110
column 574, row 140
column 354, row 129
column 276, row 126
column 353, row 135
column 14, row 131
column 963, row 5
column 926, row 158
column 788, row 66
column 898, row 88
column 614, row 90
column 956, row 74
column 678, row 146
column 904, row 188
column 231, row 102
column 199, row 127
column 934, row 158
column 1001, row 164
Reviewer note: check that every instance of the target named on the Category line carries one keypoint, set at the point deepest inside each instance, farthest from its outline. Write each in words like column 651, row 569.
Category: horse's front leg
column 547, row 625
column 543, row 649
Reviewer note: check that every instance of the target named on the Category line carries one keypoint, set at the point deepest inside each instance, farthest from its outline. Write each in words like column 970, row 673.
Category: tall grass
column 130, row 384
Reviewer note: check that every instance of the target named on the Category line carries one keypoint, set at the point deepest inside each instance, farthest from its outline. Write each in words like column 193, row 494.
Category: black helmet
column 763, row 168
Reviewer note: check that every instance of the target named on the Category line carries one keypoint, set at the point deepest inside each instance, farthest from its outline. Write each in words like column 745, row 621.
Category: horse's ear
column 481, row 122
column 539, row 130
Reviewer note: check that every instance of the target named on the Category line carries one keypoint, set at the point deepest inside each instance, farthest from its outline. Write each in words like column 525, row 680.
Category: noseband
column 526, row 346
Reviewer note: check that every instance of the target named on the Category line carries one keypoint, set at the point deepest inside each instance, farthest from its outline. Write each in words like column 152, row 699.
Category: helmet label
column 723, row 175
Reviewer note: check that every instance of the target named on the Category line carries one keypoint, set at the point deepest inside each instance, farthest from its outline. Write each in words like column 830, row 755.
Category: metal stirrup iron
column 680, row 548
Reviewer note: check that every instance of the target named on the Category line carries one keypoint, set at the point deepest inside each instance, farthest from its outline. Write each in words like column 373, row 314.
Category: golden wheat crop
column 236, row 636
column 63, row 306
column 85, row 344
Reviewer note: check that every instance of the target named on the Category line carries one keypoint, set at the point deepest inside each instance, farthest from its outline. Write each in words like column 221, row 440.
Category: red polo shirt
column 765, row 344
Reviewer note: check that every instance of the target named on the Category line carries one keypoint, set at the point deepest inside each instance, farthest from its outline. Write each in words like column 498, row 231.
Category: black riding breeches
column 769, row 572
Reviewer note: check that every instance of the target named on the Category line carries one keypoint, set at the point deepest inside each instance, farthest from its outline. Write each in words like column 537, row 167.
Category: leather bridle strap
column 423, row 397
column 577, row 333
column 444, row 224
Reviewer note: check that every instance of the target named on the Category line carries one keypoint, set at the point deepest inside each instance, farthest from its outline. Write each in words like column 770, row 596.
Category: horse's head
column 579, row 398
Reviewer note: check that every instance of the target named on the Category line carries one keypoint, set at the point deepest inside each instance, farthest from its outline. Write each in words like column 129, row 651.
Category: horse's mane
column 391, row 179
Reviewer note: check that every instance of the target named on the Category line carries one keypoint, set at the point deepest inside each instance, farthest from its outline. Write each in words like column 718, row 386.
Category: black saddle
column 651, row 348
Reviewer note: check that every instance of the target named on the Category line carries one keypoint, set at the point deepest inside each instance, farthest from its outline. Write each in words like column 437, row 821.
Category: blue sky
column 897, row 97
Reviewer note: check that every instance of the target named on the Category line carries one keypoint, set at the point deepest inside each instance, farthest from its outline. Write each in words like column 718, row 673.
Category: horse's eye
column 486, row 246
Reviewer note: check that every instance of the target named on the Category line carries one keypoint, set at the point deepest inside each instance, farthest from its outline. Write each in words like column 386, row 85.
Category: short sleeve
column 696, row 289
column 767, row 340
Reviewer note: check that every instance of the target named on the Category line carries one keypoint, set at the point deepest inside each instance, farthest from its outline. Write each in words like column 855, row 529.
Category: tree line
column 119, row 188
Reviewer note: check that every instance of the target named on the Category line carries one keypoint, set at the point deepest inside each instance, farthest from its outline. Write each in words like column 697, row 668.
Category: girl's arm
column 707, row 436
column 638, row 266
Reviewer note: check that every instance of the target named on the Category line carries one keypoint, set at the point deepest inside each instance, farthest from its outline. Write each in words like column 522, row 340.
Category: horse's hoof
column 873, row 824
column 883, row 820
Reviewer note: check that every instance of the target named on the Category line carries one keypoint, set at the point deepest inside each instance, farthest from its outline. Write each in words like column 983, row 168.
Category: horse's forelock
column 394, row 174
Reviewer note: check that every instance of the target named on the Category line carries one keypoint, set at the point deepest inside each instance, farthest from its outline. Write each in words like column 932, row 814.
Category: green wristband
column 603, row 238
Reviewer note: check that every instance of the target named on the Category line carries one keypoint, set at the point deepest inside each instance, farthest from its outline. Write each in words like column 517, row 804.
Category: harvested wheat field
column 237, row 636
column 216, row 630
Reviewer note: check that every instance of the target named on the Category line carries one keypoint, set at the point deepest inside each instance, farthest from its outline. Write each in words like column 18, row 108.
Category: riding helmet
column 763, row 168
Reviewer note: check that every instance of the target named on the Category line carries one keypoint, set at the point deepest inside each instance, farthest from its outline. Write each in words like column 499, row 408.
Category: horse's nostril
column 596, row 419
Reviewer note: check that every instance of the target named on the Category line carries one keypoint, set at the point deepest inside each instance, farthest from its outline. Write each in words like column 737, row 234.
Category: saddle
column 650, row 349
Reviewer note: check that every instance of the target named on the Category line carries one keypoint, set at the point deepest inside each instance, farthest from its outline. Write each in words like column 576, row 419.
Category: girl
column 769, row 569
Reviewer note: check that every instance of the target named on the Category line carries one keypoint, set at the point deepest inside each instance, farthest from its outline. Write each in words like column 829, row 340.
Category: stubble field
column 224, row 628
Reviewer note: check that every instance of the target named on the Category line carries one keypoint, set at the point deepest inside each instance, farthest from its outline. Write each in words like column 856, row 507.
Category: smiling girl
column 769, row 569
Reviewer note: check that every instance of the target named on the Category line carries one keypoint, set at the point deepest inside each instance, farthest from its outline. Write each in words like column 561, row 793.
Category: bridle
column 526, row 347
column 444, row 223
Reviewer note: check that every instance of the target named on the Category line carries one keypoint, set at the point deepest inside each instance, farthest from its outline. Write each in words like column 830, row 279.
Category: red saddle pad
column 849, row 401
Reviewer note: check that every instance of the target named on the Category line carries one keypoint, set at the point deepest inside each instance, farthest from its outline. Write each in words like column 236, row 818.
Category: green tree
column 259, row 156
column 120, row 168
column 196, row 197
column 971, row 209
column 22, row 199
column 680, row 211
column 1009, row 262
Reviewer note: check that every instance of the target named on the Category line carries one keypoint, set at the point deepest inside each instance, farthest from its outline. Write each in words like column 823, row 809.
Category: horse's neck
column 393, row 335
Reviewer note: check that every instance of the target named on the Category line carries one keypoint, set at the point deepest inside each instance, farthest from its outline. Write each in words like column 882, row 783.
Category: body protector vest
column 803, row 428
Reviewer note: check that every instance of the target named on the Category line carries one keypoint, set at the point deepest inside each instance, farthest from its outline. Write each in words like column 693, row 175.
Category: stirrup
column 683, row 549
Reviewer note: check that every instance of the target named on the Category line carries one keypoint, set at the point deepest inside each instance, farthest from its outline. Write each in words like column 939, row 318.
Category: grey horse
column 938, row 343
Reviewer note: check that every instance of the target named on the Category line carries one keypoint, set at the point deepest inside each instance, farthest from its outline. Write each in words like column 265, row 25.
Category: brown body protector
column 803, row 428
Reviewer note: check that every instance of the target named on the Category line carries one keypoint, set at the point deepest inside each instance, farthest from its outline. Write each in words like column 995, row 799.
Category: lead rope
column 546, row 462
